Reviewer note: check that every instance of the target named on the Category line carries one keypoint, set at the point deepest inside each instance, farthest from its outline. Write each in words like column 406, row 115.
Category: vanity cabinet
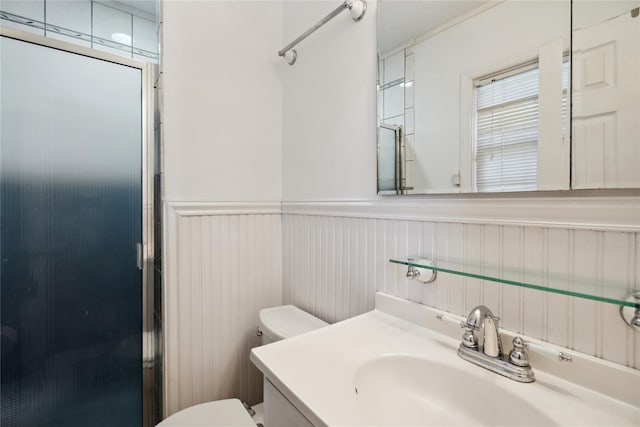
column 279, row 412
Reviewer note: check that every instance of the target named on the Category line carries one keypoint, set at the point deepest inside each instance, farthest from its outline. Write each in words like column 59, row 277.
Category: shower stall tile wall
column 127, row 29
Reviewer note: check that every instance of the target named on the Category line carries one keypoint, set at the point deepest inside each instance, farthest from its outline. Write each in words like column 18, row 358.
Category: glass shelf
column 580, row 287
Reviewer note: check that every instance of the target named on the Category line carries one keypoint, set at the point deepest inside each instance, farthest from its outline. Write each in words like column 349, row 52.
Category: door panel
column 606, row 94
column 70, row 218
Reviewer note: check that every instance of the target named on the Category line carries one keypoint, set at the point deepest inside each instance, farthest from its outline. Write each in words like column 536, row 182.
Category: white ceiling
column 400, row 20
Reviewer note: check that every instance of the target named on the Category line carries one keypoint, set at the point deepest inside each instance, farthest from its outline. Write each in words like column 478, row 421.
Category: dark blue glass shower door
column 70, row 219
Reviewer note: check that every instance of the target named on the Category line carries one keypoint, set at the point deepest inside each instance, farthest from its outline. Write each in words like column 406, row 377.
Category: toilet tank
column 277, row 323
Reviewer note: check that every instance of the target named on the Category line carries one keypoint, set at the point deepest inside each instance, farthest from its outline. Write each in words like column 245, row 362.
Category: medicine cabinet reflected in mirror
column 479, row 95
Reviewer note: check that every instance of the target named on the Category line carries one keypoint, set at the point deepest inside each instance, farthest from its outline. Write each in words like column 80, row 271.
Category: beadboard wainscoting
column 222, row 265
column 336, row 256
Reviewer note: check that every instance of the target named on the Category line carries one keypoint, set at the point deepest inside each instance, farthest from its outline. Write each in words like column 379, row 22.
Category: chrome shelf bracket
column 630, row 315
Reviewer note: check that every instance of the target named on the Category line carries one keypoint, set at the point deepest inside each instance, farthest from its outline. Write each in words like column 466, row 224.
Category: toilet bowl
column 228, row 413
column 274, row 324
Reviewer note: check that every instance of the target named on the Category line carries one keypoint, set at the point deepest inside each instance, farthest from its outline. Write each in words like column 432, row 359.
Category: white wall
column 222, row 100
column 223, row 266
column 338, row 235
column 336, row 256
column 244, row 131
column 222, row 175
column 329, row 105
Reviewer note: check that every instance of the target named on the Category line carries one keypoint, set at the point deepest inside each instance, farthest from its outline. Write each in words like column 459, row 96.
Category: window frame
column 505, row 73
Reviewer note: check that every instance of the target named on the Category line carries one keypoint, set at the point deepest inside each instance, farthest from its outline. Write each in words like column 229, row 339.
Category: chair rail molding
column 619, row 213
column 194, row 208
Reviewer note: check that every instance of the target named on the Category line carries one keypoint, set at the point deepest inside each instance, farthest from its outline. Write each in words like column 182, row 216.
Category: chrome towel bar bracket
column 357, row 8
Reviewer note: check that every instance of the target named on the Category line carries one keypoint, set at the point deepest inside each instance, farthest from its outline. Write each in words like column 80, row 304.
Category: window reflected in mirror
column 506, row 121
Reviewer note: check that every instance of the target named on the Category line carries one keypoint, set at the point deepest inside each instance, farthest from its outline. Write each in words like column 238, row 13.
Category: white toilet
column 275, row 324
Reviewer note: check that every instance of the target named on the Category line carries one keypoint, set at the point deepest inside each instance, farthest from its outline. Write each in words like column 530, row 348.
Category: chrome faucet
column 489, row 355
column 482, row 317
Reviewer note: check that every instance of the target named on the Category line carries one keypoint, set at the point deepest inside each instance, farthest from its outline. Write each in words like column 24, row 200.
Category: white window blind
column 506, row 149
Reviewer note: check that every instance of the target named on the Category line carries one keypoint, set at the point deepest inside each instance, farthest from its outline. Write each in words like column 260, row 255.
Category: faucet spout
column 492, row 344
column 481, row 317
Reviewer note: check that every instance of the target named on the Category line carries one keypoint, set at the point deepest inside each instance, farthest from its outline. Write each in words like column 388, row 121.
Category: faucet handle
column 469, row 339
column 517, row 355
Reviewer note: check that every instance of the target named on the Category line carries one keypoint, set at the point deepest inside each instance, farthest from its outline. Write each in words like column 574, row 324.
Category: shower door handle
column 139, row 256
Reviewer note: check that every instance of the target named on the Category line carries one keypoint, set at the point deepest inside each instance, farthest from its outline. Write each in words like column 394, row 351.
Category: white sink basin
column 397, row 389
column 404, row 365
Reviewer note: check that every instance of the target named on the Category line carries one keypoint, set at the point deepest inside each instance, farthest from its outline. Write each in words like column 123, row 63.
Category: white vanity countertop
column 316, row 372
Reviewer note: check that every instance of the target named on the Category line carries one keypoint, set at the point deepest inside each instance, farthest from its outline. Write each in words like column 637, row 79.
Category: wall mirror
column 477, row 94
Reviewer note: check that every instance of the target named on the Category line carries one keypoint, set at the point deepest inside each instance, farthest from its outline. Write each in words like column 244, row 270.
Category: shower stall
column 76, row 236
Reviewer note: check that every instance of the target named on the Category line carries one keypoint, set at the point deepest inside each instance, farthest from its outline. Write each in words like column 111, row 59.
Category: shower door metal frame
column 149, row 346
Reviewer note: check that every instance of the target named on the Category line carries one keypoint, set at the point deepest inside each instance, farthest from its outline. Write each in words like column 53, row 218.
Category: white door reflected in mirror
column 606, row 94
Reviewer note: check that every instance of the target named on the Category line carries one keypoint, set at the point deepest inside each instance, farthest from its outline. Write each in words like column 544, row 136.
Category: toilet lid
column 287, row 321
column 219, row 413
